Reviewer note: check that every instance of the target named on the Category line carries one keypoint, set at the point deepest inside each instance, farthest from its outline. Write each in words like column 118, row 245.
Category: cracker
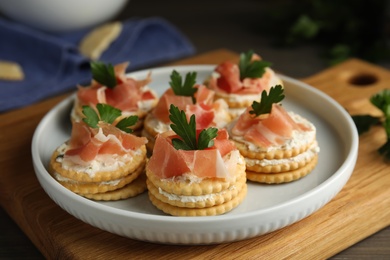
column 98, row 187
column 149, row 125
column 192, row 212
column 282, row 177
column 133, row 189
column 274, row 154
column 10, row 70
column 206, row 186
column 149, row 132
column 279, row 165
column 138, row 159
column 208, row 200
column 98, row 40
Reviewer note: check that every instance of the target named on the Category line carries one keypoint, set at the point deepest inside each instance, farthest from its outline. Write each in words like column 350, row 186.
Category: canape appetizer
column 111, row 86
column 241, row 84
column 278, row 146
column 195, row 172
column 193, row 99
column 102, row 160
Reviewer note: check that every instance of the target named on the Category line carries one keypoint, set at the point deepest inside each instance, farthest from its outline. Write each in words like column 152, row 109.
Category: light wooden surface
column 359, row 210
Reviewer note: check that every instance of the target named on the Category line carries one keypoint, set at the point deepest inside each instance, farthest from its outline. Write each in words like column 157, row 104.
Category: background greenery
column 346, row 28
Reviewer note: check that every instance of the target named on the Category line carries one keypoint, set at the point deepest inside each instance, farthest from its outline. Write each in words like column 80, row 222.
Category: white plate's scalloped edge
column 213, row 229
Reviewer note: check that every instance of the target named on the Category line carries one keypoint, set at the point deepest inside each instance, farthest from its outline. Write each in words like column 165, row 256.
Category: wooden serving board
column 359, row 210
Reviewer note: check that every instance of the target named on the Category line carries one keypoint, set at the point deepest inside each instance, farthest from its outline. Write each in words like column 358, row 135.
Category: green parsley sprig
column 364, row 122
column 275, row 95
column 108, row 114
column 184, row 89
column 103, row 73
column 187, row 132
column 249, row 68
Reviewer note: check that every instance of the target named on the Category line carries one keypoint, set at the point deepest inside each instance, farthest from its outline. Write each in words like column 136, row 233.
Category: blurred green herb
column 103, row 73
column 251, row 69
column 364, row 122
column 184, row 89
column 349, row 28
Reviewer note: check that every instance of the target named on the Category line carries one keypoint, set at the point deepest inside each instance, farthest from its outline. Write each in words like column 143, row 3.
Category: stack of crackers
column 281, row 165
column 211, row 196
column 125, row 182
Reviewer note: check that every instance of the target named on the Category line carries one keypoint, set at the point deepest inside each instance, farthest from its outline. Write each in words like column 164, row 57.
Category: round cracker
column 274, row 154
column 192, row 212
column 207, row 200
column 138, row 159
column 188, row 188
column 98, row 187
column 280, row 165
column 282, row 177
column 132, row 189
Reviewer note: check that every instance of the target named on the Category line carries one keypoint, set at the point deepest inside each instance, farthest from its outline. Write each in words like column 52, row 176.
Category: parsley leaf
column 187, row 132
column 206, row 137
column 364, row 122
column 108, row 114
column 104, row 74
column 91, row 117
column 186, row 89
column 126, row 122
column 265, row 105
column 249, row 68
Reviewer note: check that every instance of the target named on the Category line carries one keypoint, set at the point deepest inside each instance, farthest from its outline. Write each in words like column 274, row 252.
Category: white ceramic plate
column 266, row 207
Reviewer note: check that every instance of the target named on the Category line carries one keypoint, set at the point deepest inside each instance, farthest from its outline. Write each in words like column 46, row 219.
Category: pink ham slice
column 87, row 143
column 167, row 162
column 124, row 96
column 267, row 130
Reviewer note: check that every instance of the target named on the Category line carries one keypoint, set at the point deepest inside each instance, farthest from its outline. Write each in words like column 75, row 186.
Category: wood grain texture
column 359, row 210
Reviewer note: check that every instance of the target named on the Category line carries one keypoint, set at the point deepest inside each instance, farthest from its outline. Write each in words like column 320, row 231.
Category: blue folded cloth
column 53, row 65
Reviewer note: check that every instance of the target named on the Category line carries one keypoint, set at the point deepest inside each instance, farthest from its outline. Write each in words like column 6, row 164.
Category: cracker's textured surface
column 210, row 199
column 206, row 186
column 138, row 159
column 274, row 154
column 133, row 189
column 149, row 125
column 100, row 187
column 282, row 177
column 99, row 39
column 192, row 212
column 10, row 70
column 282, row 167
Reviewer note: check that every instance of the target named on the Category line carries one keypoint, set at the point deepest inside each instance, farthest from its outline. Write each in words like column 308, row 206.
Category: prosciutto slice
column 167, row 162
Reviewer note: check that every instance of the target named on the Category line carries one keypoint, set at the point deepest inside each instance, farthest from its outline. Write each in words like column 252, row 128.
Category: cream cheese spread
column 102, row 162
column 200, row 198
column 305, row 156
